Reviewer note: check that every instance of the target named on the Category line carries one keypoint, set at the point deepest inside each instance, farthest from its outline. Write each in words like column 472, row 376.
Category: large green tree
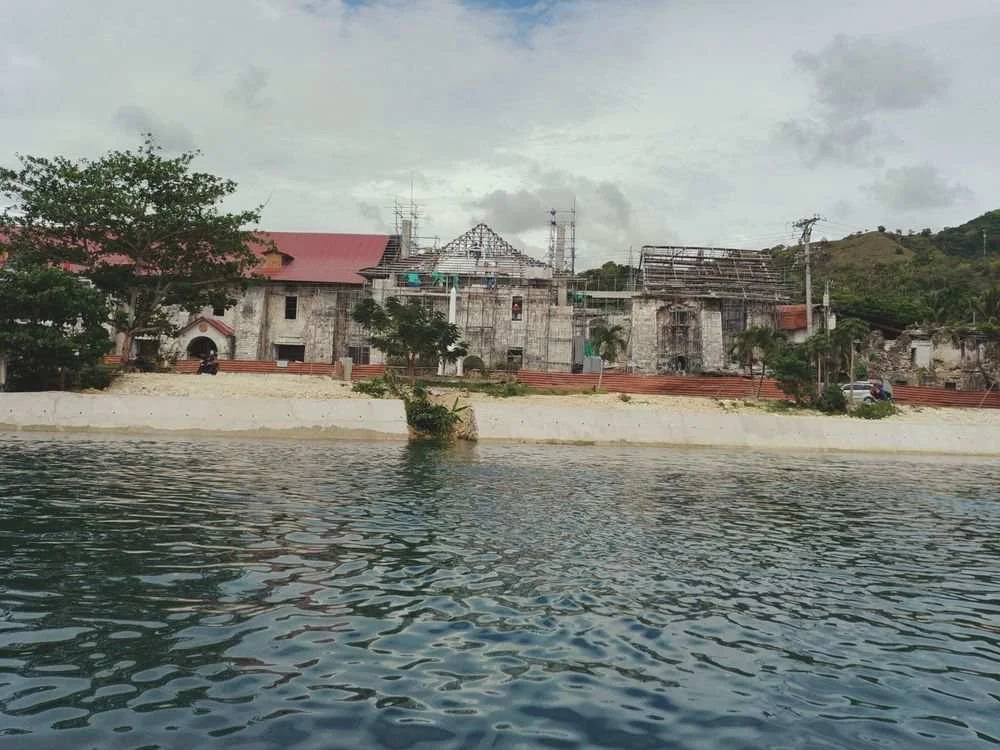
column 147, row 229
column 410, row 331
column 51, row 325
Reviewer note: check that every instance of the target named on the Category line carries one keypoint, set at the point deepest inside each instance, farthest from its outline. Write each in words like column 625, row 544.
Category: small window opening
column 290, row 352
column 291, row 308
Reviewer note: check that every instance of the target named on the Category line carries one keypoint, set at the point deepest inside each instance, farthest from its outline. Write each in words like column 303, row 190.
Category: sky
column 701, row 122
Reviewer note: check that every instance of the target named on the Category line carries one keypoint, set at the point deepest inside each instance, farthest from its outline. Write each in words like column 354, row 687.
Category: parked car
column 861, row 391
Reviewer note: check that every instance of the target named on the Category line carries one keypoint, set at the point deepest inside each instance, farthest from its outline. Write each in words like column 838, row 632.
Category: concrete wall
column 347, row 418
column 632, row 425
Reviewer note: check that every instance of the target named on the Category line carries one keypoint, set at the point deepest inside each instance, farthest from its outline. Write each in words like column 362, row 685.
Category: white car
column 861, row 391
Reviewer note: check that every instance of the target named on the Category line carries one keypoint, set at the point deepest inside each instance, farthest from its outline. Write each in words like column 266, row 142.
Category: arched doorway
column 201, row 347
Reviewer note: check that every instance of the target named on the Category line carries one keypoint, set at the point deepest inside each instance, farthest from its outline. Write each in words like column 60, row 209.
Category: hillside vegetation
column 894, row 280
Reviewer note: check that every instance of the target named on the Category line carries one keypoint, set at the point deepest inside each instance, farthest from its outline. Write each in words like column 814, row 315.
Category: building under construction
column 678, row 314
column 693, row 300
column 513, row 310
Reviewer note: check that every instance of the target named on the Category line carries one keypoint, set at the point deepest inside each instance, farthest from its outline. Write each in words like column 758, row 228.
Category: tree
column 842, row 340
column 794, row 372
column 146, row 229
column 608, row 341
column 756, row 344
column 51, row 325
column 410, row 331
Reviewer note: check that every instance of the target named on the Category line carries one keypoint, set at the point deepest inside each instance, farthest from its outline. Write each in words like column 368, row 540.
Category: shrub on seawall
column 875, row 410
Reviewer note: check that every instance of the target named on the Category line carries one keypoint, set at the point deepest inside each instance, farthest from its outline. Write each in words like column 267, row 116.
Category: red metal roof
column 324, row 258
column 791, row 317
column 317, row 257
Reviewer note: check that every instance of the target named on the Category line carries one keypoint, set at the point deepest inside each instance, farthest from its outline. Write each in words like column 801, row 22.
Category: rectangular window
column 218, row 311
column 291, row 308
column 290, row 352
column 515, row 359
column 913, row 355
column 679, row 334
column 516, row 308
column 360, row 355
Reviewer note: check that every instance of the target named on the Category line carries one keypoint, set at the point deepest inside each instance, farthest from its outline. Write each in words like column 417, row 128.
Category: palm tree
column 756, row 344
column 608, row 341
column 842, row 337
column 987, row 306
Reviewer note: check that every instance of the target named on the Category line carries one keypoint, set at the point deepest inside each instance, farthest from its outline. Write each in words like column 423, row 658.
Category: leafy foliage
column 376, row 387
column 51, row 325
column 609, row 277
column 875, row 410
column 410, row 331
column 832, row 400
column 608, row 340
column 794, row 373
column 146, row 229
column 429, row 420
column 757, row 344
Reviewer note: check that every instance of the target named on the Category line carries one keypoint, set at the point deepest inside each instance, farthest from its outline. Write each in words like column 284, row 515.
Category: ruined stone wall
column 656, row 349
column 924, row 359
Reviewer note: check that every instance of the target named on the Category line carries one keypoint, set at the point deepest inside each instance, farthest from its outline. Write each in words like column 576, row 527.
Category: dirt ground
column 244, row 385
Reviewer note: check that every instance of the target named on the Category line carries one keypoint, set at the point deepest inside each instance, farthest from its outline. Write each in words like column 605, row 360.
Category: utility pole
column 806, row 225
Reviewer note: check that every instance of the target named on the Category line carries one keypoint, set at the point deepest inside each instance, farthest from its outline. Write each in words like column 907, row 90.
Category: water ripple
column 226, row 593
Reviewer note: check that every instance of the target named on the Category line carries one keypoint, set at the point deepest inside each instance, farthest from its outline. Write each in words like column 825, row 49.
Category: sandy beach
column 241, row 385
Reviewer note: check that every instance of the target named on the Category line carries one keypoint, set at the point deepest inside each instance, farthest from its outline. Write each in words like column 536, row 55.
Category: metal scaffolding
column 713, row 272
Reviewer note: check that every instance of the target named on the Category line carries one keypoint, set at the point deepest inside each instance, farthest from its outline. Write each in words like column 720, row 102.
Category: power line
column 806, row 225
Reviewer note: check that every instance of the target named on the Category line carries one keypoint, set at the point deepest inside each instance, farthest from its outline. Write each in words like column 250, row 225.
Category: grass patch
column 875, row 410
column 783, row 407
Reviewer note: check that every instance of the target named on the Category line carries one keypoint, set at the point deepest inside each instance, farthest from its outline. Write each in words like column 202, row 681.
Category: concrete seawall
column 632, row 425
column 506, row 420
column 345, row 418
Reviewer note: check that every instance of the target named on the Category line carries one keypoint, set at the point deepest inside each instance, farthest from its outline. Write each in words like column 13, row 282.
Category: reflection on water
column 162, row 594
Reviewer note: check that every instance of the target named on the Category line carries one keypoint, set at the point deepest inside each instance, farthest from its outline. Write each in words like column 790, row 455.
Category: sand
column 244, row 385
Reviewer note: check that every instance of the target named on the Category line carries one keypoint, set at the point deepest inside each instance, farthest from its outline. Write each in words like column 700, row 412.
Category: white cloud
column 657, row 118
column 917, row 188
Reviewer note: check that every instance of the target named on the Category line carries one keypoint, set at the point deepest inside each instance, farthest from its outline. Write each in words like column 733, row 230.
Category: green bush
column 832, row 400
column 508, row 389
column 794, row 373
column 875, row 410
column 97, row 376
column 429, row 420
column 376, row 387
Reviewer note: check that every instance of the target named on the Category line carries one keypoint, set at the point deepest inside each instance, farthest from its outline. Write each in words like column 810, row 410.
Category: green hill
column 895, row 280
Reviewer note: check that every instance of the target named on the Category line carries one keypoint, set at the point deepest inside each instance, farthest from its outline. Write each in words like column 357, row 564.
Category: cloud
column 501, row 111
column 856, row 81
column 248, row 87
column 917, row 188
column 136, row 120
column 602, row 208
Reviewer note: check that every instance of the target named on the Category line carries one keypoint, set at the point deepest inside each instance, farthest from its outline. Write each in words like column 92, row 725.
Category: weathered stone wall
column 915, row 358
column 248, row 318
column 712, row 353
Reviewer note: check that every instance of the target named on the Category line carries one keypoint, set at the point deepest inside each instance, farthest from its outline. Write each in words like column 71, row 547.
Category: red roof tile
column 791, row 317
column 325, row 258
